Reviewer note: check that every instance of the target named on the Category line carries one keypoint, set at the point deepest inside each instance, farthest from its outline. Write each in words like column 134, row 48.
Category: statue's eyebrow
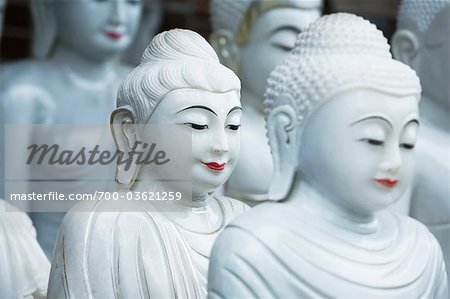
column 198, row 107
column 414, row 120
column 233, row 109
column 372, row 117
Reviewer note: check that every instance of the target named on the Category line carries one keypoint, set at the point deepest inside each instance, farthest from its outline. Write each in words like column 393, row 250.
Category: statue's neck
column 308, row 200
column 82, row 66
column 252, row 102
column 435, row 114
column 201, row 215
column 198, row 202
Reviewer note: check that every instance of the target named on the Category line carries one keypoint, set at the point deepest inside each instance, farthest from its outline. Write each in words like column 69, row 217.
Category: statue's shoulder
column 260, row 219
column 94, row 239
column 28, row 72
column 419, row 237
column 411, row 224
column 232, row 207
column 24, row 92
column 235, row 263
column 425, row 248
column 256, row 228
column 27, row 268
column 96, row 218
column 14, row 218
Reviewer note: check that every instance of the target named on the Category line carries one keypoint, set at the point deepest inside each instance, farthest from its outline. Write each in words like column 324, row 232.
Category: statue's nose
column 392, row 160
column 220, row 144
column 117, row 15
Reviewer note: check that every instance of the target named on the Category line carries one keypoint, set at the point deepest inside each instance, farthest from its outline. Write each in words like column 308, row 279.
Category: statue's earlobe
column 125, row 135
column 226, row 48
column 405, row 45
column 283, row 133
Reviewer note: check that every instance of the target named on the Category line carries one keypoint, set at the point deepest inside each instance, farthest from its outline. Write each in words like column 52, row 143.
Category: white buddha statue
column 148, row 253
column 24, row 268
column 251, row 37
column 422, row 41
column 342, row 119
column 73, row 78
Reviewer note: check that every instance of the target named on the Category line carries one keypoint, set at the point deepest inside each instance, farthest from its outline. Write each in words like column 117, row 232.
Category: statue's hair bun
column 177, row 44
column 336, row 53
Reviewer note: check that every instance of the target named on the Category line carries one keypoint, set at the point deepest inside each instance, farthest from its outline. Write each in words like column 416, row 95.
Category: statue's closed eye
column 407, row 146
column 196, row 126
column 282, row 47
column 233, row 127
column 372, row 141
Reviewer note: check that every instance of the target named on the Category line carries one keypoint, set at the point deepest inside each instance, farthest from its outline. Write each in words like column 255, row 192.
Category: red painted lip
column 387, row 182
column 214, row 166
column 114, row 35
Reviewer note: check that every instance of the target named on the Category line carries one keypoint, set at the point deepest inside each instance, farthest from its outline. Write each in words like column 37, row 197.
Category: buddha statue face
column 95, row 28
column 357, row 149
column 423, row 42
column 262, row 40
column 181, row 82
column 271, row 38
column 213, row 119
column 342, row 116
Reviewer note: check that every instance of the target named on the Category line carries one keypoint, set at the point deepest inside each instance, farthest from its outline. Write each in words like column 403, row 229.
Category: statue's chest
column 83, row 106
column 199, row 246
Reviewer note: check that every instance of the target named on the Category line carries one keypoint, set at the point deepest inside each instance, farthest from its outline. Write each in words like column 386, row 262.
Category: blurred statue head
column 181, row 82
column 253, row 36
column 342, row 115
column 422, row 40
column 96, row 29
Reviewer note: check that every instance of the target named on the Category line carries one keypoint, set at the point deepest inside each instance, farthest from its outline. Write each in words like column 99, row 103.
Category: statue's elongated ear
column 226, row 48
column 283, row 133
column 405, row 45
column 125, row 134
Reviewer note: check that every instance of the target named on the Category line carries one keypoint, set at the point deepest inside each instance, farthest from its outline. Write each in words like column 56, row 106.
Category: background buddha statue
column 252, row 37
column 422, row 41
column 24, row 268
column 149, row 253
column 342, row 119
column 73, row 78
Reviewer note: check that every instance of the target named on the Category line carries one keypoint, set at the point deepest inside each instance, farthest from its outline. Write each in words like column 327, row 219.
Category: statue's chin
column 204, row 187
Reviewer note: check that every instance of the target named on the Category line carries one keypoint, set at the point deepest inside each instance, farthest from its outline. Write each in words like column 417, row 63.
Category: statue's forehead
column 258, row 8
column 366, row 101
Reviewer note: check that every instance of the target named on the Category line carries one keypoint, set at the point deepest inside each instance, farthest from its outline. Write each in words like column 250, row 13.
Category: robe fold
column 24, row 268
column 138, row 254
column 276, row 252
